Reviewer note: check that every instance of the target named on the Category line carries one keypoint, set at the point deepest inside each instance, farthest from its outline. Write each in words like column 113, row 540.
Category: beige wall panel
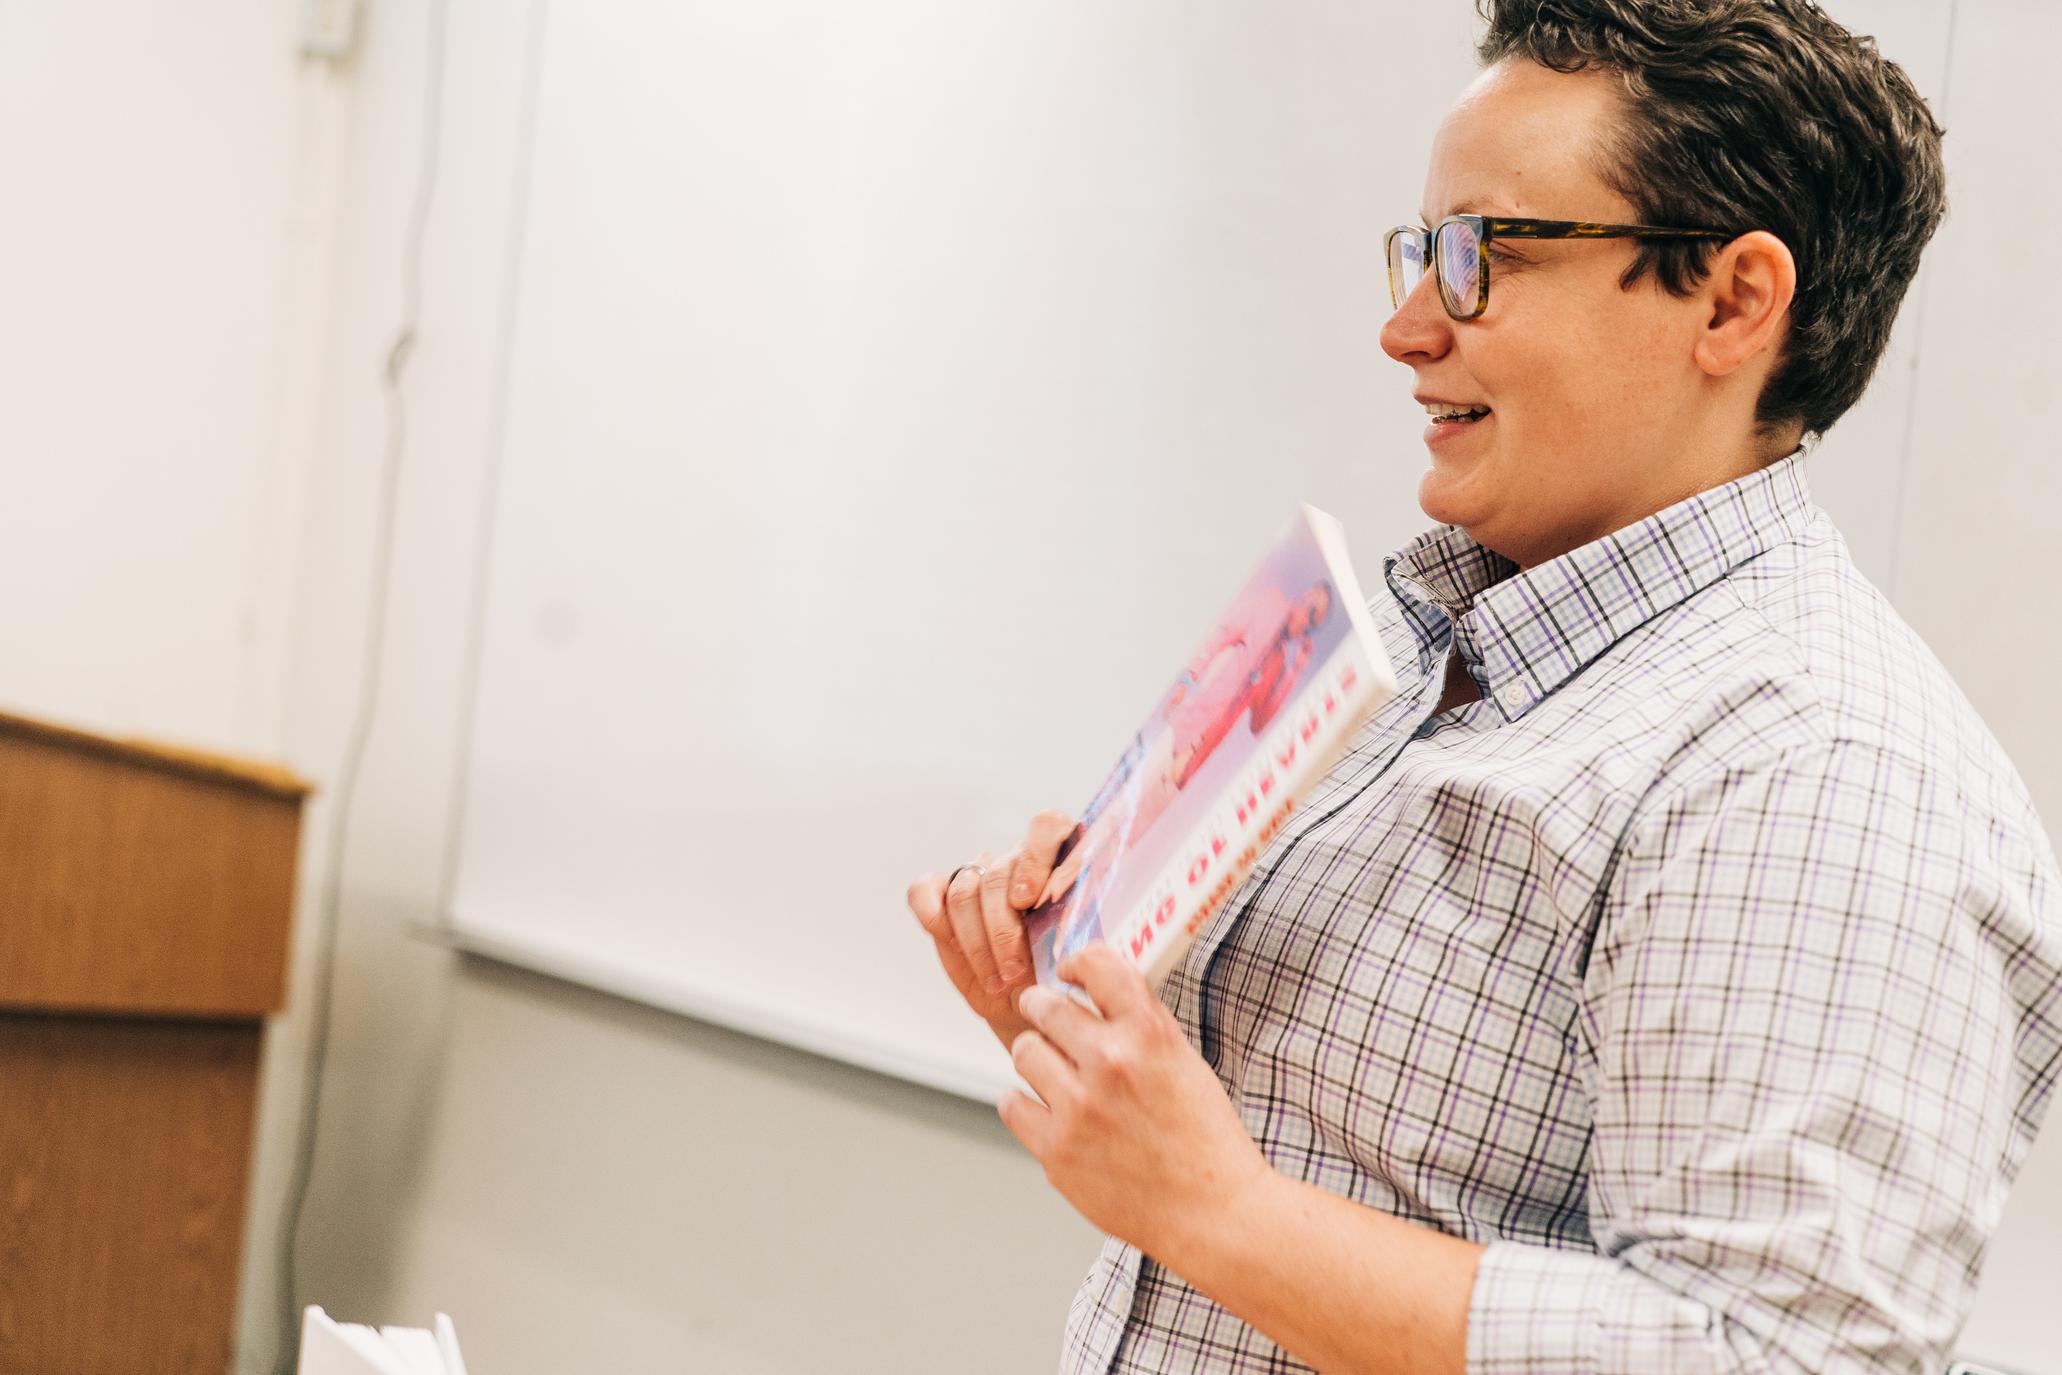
column 1859, row 472
column 1982, row 518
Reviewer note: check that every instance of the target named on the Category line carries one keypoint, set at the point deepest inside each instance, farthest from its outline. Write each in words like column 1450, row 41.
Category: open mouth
column 1456, row 416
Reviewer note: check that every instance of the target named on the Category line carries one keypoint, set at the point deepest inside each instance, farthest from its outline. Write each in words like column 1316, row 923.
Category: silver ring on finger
column 953, row 877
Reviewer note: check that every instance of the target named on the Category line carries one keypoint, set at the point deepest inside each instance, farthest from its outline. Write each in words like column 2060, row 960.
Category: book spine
column 1299, row 748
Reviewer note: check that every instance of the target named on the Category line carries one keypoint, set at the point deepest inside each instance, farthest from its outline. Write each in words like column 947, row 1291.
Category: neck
column 1700, row 468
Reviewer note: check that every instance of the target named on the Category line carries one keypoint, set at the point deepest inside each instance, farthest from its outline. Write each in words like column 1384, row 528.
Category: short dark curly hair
column 1759, row 114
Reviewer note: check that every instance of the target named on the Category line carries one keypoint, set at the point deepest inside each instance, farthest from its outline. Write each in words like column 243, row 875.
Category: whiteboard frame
column 832, row 1038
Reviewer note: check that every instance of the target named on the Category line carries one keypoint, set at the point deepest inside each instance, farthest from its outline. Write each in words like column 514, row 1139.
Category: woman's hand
column 1135, row 1130
column 978, row 925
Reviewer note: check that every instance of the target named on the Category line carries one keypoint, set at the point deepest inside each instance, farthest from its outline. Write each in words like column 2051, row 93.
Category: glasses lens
column 1460, row 268
column 1406, row 263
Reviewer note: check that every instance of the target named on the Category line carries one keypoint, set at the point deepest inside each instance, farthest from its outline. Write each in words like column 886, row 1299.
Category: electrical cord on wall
column 399, row 351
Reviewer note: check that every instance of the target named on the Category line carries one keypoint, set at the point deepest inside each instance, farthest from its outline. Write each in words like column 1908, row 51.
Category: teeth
column 1440, row 410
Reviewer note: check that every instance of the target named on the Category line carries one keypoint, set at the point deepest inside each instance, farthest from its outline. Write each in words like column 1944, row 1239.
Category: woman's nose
column 1420, row 327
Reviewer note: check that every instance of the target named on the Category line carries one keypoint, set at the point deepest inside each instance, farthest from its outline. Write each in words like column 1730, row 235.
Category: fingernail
column 1012, row 970
column 1022, row 892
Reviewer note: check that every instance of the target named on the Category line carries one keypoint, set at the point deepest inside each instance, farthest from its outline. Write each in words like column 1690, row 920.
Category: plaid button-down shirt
column 1708, row 970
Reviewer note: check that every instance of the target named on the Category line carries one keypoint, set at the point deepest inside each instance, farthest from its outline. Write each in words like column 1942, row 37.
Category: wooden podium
column 145, row 898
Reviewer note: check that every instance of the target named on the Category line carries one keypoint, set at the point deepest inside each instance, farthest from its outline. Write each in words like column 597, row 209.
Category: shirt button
column 1513, row 694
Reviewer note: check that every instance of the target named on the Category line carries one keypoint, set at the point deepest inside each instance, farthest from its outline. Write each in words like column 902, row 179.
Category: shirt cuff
column 1535, row 1309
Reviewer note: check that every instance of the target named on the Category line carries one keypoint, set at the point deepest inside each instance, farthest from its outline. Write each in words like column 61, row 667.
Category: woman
column 1671, row 976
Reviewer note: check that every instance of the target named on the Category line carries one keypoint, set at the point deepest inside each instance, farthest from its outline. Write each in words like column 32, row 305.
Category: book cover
column 1266, row 706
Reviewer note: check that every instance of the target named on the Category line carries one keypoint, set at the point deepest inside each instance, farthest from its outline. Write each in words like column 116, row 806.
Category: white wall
column 200, row 298
column 161, row 221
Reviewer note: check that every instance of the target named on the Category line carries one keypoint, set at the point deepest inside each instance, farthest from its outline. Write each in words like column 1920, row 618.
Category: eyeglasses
column 1454, row 247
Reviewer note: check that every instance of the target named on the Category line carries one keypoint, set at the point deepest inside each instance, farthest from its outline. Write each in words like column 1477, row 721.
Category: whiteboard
column 894, row 391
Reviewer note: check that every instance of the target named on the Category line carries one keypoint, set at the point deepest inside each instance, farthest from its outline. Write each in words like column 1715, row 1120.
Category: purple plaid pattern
column 1708, row 970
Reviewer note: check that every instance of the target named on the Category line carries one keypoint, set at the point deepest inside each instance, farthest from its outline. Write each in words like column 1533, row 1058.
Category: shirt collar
column 1522, row 635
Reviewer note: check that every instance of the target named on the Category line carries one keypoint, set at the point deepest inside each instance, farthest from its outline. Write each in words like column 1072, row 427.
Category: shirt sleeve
column 1819, row 1022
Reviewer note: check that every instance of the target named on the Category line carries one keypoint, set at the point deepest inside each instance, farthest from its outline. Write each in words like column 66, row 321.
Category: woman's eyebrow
column 1475, row 205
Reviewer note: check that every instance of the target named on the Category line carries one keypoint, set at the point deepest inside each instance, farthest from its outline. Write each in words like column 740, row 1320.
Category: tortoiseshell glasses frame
column 1453, row 250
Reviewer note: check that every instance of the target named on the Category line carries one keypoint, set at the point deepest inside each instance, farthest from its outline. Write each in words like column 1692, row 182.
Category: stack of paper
column 329, row 1347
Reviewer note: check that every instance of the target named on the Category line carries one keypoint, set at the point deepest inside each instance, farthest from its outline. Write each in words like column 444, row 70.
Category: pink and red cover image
column 1266, row 704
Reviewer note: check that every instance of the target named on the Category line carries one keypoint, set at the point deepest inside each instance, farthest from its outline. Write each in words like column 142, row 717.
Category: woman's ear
column 1749, row 289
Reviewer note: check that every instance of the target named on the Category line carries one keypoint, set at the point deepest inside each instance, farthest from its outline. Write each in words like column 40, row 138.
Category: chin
column 1443, row 497
column 1474, row 512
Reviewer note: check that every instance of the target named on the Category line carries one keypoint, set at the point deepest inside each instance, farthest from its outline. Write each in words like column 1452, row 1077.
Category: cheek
column 1538, row 379
column 1573, row 366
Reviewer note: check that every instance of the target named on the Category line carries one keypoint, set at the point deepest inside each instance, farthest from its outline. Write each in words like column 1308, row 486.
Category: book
column 329, row 1347
column 1292, row 669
